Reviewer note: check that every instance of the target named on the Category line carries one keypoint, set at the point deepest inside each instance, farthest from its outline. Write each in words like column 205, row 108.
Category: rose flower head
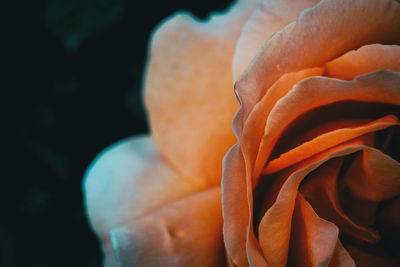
column 274, row 142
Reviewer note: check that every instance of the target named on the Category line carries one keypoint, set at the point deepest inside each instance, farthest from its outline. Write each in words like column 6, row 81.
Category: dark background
column 75, row 69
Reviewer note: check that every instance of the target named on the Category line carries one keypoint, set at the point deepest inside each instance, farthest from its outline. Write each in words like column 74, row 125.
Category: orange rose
column 313, row 178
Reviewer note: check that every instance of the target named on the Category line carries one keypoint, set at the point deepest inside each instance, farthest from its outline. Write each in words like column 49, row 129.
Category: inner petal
column 313, row 239
column 328, row 139
column 373, row 176
column 320, row 189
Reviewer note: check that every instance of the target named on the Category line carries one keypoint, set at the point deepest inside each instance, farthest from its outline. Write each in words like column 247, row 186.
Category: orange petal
column 321, row 191
column 367, row 59
column 255, row 125
column 185, row 233
column 235, row 178
column 313, row 240
column 268, row 18
column 373, row 176
column 128, row 180
column 275, row 226
column 325, row 141
column 188, row 90
column 319, row 35
column 378, row 87
column 236, row 210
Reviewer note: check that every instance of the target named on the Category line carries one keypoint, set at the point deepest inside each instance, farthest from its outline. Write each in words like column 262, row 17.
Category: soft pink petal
column 128, row 180
column 189, row 90
column 187, row 232
column 267, row 19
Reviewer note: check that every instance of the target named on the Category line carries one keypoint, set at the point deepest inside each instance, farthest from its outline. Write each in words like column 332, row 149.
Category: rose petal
column 325, row 141
column 313, row 240
column 341, row 257
column 321, row 191
column 308, row 43
column 368, row 58
column 234, row 171
column 275, row 226
column 185, row 233
column 235, row 206
column 268, row 18
column 377, row 87
column 127, row 180
column 188, row 90
column 373, row 176
column 255, row 125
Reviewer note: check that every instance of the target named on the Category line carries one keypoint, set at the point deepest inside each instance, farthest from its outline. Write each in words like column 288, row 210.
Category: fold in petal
column 308, row 42
column 321, row 191
column 313, row 240
column 255, row 125
column 327, row 140
column 128, row 180
column 367, row 59
column 377, row 87
column 187, row 232
column 235, row 206
column 275, row 226
column 373, row 176
column 267, row 19
column 188, row 90
column 341, row 257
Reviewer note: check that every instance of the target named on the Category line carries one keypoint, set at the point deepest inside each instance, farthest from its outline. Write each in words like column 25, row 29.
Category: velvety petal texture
column 185, row 233
column 320, row 101
column 128, row 180
column 267, row 19
column 188, row 90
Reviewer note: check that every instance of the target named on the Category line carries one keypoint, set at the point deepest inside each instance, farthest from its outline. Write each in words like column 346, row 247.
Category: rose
column 315, row 158
column 159, row 204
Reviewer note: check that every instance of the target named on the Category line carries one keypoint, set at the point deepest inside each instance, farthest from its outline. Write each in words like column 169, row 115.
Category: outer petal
column 235, row 206
column 308, row 43
column 185, row 233
column 267, row 19
column 128, row 180
column 237, row 229
column 368, row 58
column 189, row 93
